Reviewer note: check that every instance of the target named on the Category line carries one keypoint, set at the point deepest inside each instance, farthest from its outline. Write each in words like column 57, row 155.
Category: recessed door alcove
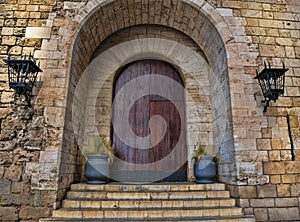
column 200, row 59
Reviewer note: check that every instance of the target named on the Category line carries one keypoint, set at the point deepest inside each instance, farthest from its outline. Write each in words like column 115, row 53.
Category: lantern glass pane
column 272, row 83
column 265, row 87
column 23, row 72
column 280, row 83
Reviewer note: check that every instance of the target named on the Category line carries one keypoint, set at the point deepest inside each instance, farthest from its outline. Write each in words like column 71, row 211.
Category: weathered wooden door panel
column 163, row 114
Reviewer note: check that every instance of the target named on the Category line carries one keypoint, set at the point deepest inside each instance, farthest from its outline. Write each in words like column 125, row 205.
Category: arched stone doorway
column 148, row 130
column 201, row 28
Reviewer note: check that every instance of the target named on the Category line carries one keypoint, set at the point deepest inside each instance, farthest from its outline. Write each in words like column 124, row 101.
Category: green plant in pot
column 205, row 168
column 99, row 154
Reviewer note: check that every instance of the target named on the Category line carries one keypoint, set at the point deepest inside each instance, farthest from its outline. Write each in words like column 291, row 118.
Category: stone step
column 139, row 204
column 154, row 202
column 170, row 219
column 155, row 214
column 147, row 195
column 163, row 187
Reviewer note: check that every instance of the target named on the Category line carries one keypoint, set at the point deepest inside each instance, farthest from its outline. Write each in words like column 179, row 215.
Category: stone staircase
column 155, row 202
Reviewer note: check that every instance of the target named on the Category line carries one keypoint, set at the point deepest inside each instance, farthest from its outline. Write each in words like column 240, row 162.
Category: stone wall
column 272, row 26
column 24, row 135
column 259, row 156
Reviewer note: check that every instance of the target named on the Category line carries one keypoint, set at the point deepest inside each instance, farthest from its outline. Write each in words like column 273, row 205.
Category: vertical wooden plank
column 146, row 118
column 133, row 124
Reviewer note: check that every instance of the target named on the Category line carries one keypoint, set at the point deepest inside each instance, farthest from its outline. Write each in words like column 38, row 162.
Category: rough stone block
column 4, row 112
column 286, row 202
column 284, row 41
column 290, row 52
column 274, row 155
column 256, row 31
column 274, row 168
column 248, row 211
column 295, row 190
column 5, row 186
column 247, row 192
column 266, row 191
column 272, row 32
column 32, row 43
column 7, row 31
column 49, row 45
column 16, row 50
column 41, row 54
column 21, row 14
column 7, row 97
column 17, row 199
column 288, row 178
column 270, row 23
column 251, row 13
column 284, row 214
column 244, row 203
column 261, row 214
column 268, row 15
column 291, row 91
column 263, row 144
column 266, row 133
column 236, row 4
column 284, row 190
column 296, row 100
column 280, row 132
column 54, row 116
column 47, row 197
column 265, row 202
column 271, row 50
column 284, row 33
column 9, row 213
column 288, row 102
column 49, row 157
column 35, row 15
column 293, row 167
column 14, row 172
column 5, row 157
column 38, row 32
column 17, row 187
column 285, row 155
column 28, row 213
column 252, row 21
column 297, row 154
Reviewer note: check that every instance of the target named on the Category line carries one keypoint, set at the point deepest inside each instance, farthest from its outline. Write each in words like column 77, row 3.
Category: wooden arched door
column 156, row 118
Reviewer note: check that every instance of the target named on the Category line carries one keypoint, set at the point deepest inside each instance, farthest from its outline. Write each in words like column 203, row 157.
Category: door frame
column 119, row 72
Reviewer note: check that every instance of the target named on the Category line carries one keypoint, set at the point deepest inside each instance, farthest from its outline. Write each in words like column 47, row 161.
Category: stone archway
column 199, row 27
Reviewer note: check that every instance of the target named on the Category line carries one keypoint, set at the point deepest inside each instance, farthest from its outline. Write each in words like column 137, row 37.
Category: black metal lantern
column 271, row 81
column 22, row 74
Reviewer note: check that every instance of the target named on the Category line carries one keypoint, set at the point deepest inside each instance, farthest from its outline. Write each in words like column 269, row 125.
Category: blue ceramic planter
column 97, row 169
column 205, row 170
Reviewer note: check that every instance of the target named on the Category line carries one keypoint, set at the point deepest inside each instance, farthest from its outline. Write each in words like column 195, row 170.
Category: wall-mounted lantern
column 22, row 74
column 271, row 81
